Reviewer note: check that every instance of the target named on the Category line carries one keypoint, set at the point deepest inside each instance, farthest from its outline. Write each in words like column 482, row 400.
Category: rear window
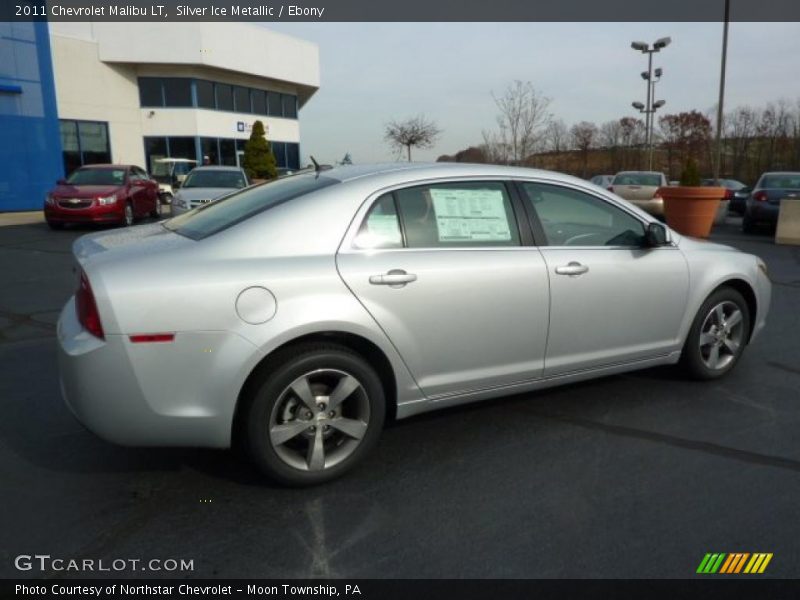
column 646, row 179
column 216, row 216
column 786, row 181
column 214, row 178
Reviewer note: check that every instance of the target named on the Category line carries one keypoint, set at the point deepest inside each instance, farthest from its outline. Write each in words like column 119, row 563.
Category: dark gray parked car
column 764, row 202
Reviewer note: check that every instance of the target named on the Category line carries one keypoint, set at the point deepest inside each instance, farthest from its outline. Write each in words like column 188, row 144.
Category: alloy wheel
column 721, row 335
column 319, row 420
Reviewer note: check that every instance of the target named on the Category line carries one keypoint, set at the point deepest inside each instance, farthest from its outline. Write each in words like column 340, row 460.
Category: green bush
column 258, row 160
column 690, row 176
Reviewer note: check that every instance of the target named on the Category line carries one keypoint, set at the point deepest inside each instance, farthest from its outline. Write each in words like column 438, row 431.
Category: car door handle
column 394, row 278
column 573, row 268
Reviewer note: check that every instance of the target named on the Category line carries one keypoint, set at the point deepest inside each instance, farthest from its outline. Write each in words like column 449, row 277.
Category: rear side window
column 468, row 214
column 645, row 179
column 381, row 228
column 216, row 216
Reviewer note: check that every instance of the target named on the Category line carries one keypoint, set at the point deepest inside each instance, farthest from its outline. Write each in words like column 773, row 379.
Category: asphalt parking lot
column 637, row 475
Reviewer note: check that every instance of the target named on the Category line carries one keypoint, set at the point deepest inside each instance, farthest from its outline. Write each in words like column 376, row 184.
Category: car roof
column 419, row 171
column 216, row 168
column 105, row 166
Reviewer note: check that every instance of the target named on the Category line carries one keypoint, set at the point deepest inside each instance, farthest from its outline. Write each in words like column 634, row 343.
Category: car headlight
column 106, row 200
column 48, row 199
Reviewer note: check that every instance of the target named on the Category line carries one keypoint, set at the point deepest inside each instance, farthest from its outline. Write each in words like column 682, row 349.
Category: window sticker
column 470, row 215
column 382, row 230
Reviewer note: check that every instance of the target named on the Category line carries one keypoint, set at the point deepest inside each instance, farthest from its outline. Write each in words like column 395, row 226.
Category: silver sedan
column 294, row 317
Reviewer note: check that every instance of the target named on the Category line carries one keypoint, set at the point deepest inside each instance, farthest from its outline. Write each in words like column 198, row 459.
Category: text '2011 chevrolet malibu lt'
column 296, row 315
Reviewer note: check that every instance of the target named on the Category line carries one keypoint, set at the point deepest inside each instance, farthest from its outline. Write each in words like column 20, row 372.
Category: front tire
column 748, row 224
column 156, row 212
column 314, row 413
column 127, row 215
column 55, row 225
column 718, row 335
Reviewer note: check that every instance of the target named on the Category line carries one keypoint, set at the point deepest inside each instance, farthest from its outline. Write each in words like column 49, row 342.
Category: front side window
column 381, row 227
column 572, row 218
column 469, row 214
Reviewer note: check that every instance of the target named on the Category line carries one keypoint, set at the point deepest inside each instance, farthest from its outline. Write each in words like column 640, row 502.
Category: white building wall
column 96, row 70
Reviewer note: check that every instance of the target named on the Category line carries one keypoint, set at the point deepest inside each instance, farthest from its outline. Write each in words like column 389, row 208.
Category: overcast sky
column 375, row 72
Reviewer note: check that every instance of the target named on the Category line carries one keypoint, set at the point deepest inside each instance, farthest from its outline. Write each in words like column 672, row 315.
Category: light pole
column 650, row 115
column 718, row 141
column 649, row 110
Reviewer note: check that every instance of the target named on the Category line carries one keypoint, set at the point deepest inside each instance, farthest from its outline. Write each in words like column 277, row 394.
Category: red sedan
column 102, row 194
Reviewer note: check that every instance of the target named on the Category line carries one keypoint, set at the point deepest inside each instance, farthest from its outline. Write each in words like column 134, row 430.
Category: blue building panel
column 30, row 143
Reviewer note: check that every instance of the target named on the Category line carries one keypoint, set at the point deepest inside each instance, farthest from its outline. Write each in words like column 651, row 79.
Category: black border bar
column 405, row 11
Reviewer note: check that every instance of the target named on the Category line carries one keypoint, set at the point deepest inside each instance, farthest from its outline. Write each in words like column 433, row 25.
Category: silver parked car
column 641, row 188
column 205, row 184
column 296, row 315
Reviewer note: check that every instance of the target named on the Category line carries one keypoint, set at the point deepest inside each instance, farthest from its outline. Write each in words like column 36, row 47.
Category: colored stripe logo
column 734, row 563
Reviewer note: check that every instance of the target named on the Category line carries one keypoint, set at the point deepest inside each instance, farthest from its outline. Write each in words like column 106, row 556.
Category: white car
column 205, row 184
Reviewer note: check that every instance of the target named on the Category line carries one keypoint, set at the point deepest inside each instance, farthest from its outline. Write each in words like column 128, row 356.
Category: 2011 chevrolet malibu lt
column 293, row 317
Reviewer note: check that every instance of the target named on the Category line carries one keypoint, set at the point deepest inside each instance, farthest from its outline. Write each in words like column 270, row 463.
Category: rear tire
column 718, row 335
column 314, row 412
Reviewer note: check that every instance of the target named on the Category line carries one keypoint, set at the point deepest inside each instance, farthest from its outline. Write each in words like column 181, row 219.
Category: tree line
column 754, row 139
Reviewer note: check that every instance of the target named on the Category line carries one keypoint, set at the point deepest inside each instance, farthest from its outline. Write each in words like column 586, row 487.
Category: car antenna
column 317, row 168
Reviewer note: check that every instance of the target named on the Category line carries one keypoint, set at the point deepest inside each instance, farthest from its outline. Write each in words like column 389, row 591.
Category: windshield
column 648, row 179
column 214, row 178
column 786, row 181
column 214, row 217
column 97, row 177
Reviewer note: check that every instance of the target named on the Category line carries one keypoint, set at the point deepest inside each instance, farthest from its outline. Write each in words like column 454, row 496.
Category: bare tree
column 523, row 116
column 557, row 136
column 584, row 136
column 415, row 132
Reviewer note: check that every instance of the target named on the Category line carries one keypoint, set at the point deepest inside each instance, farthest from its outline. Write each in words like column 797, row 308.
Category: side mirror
column 655, row 235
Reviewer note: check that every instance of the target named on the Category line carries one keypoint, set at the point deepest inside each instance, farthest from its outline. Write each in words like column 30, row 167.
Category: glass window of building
column 182, row 147
column 259, row 101
column 241, row 97
column 155, row 148
column 293, row 156
column 227, row 151
column 150, row 93
column 210, row 148
column 205, row 94
column 69, row 146
column 177, row 91
column 93, row 140
column 289, row 106
column 274, row 104
column 224, row 96
column 279, row 150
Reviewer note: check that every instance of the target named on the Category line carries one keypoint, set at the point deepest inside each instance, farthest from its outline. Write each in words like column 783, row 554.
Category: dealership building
column 73, row 94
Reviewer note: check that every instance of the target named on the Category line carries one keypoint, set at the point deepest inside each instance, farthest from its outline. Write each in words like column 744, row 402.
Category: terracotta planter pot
column 691, row 210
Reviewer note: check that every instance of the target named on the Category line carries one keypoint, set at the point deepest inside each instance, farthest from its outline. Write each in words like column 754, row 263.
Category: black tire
column 693, row 358
column 128, row 216
column 156, row 212
column 55, row 225
column 748, row 224
column 165, row 198
column 269, row 405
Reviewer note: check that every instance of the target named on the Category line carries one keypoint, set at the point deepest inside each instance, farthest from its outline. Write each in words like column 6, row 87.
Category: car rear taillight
column 611, row 188
column 86, row 307
column 760, row 196
column 728, row 194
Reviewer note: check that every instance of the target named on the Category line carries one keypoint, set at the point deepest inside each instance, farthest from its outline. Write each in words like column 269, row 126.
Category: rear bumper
column 654, row 206
column 140, row 394
column 762, row 211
